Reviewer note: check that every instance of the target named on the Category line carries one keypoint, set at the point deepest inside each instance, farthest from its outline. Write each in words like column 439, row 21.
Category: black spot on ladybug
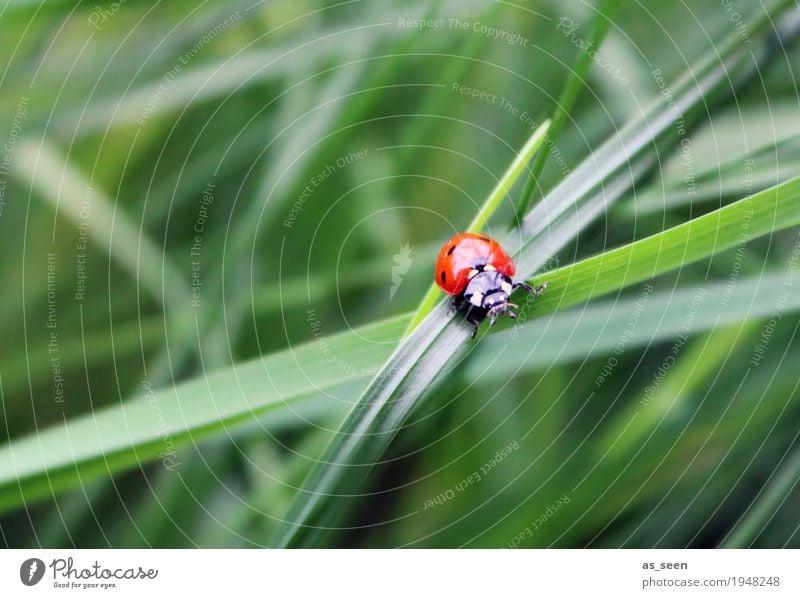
column 450, row 251
column 443, row 276
column 487, row 239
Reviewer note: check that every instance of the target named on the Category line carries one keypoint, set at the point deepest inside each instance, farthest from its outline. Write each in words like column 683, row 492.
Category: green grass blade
column 769, row 501
column 566, row 101
column 704, row 358
column 79, row 200
column 585, row 331
column 510, row 177
column 761, row 214
column 147, row 426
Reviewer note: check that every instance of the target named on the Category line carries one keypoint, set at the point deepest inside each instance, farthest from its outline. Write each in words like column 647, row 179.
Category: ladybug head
column 488, row 290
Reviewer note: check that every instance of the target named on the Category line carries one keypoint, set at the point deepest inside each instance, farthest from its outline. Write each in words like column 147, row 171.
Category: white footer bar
column 400, row 573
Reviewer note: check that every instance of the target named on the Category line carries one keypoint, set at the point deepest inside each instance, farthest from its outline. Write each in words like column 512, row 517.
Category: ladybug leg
column 474, row 326
column 454, row 305
column 494, row 313
column 533, row 291
column 509, row 313
column 470, row 317
column 522, row 285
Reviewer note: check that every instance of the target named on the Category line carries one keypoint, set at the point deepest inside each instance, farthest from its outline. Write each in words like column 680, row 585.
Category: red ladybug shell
column 465, row 252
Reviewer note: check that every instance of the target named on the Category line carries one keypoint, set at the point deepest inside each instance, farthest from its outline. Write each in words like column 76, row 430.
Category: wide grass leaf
column 767, row 211
column 158, row 422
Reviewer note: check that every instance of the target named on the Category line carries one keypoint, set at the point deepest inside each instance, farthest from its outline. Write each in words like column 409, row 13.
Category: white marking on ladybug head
column 506, row 286
column 476, row 299
column 472, row 273
column 489, row 268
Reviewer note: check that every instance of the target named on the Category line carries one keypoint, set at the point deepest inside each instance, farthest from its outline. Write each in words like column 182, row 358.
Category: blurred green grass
column 268, row 105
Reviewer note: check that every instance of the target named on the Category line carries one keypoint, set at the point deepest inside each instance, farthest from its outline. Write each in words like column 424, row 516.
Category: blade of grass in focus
column 761, row 214
column 590, row 330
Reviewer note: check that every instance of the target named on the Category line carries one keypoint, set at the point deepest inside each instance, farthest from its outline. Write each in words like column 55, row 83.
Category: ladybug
column 479, row 274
